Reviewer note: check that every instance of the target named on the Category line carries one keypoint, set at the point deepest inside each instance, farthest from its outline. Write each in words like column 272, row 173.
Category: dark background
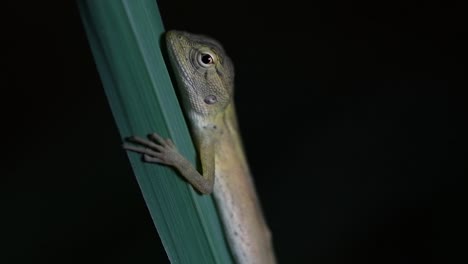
column 351, row 114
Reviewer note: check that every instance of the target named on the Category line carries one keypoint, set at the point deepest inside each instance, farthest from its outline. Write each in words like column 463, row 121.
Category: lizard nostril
column 210, row 99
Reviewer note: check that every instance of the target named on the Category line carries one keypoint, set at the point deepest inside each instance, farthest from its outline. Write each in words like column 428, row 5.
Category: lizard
column 205, row 77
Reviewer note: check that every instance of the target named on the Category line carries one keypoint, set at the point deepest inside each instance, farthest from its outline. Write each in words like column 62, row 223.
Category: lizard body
column 205, row 76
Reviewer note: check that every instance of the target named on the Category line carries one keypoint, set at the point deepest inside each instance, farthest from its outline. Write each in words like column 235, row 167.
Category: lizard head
column 204, row 72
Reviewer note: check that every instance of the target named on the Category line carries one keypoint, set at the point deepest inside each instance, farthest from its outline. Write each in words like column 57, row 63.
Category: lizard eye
column 206, row 59
column 210, row 99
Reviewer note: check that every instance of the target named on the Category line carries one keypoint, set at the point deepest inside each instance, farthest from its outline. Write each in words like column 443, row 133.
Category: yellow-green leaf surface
column 125, row 38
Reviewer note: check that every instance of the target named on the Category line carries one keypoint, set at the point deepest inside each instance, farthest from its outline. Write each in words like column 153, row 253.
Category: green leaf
column 125, row 38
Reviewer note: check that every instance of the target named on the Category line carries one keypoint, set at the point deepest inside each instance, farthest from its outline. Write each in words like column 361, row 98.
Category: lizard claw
column 155, row 150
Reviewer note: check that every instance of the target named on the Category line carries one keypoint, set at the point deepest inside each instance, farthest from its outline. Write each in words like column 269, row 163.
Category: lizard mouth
column 176, row 43
column 173, row 45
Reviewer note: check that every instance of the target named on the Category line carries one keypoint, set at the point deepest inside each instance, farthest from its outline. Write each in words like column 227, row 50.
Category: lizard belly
column 247, row 233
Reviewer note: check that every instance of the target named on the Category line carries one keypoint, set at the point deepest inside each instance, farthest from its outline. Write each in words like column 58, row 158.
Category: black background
column 351, row 114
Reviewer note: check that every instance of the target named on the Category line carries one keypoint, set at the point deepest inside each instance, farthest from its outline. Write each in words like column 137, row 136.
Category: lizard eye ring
column 206, row 59
column 210, row 99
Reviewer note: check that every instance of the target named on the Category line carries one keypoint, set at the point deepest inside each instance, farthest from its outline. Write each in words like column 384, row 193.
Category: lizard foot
column 154, row 150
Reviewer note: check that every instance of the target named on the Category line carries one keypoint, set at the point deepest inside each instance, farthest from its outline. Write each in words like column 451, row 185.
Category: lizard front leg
column 164, row 151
